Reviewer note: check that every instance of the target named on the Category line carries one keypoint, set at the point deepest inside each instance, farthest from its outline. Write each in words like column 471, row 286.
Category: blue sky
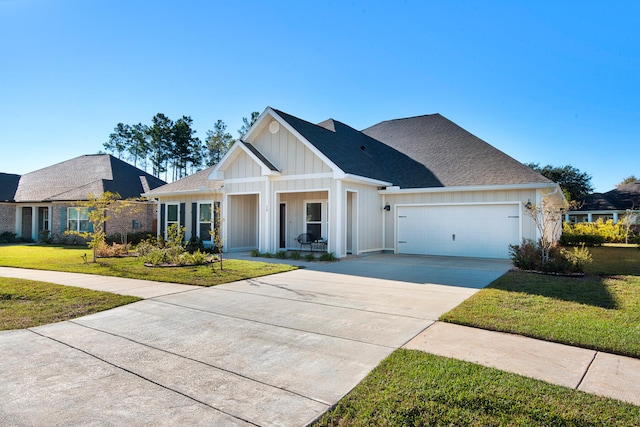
column 545, row 81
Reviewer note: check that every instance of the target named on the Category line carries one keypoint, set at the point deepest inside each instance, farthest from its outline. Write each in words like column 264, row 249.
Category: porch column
column 338, row 223
column 566, row 217
column 34, row 222
column 615, row 217
column 590, row 217
column 18, row 220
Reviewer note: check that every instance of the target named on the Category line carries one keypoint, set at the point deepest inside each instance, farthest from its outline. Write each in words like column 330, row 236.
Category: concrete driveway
column 276, row 350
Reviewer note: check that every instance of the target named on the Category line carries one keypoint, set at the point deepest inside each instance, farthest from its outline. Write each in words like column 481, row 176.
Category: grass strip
column 412, row 388
column 70, row 259
column 28, row 303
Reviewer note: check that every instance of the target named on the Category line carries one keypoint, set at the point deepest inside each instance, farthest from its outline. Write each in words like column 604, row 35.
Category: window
column 315, row 218
column 78, row 219
column 208, row 215
column 173, row 216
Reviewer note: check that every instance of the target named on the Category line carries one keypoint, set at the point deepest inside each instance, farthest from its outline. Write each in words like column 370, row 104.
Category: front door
column 26, row 223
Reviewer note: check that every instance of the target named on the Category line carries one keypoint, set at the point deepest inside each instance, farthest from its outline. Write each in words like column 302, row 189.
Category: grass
column 69, row 259
column 27, row 303
column 412, row 388
column 600, row 311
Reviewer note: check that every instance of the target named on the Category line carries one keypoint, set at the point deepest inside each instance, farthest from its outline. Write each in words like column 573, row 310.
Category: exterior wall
column 242, row 166
column 288, row 153
column 189, row 212
column 240, row 232
column 528, row 227
column 144, row 215
column 7, row 217
column 367, row 220
column 296, row 214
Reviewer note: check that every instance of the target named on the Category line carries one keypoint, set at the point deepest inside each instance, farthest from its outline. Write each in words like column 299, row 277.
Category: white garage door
column 460, row 230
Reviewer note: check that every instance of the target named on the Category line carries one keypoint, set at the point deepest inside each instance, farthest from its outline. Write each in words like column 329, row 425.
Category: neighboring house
column 8, row 187
column 190, row 202
column 44, row 200
column 612, row 205
column 420, row 185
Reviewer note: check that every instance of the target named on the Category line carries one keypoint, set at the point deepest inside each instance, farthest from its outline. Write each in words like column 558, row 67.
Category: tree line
column 171, row 147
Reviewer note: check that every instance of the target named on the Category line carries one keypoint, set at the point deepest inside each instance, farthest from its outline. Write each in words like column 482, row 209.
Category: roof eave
column 500, row 187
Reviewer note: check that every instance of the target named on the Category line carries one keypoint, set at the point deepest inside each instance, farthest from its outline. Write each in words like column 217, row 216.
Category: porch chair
column 306, row 239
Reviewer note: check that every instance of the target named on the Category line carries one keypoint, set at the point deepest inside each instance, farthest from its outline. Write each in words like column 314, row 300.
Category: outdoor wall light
column 387, row 207
column 528, row 205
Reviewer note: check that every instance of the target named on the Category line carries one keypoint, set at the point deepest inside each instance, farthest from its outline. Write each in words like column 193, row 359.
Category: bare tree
column 547, row 217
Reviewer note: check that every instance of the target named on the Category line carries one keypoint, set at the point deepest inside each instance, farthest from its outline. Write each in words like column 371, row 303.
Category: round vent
column 274, row 127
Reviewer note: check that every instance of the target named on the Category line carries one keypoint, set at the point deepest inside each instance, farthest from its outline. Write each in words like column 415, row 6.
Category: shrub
column 255, row 253
column 593, row 233
column 281, row 254
column 578, row 257
column 195, row 244
column 9, row 237
column 146, row 246
column 328, row 256
column 295, row 255
column 310, row 257
column 105, row 250
column 131, row 238
column 529, row 256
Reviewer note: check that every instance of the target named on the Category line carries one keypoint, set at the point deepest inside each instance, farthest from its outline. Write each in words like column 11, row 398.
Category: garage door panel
column 458, row 230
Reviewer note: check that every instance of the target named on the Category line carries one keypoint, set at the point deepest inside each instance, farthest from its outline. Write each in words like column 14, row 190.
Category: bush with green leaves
column 172, row 252
column 528, row 256
column 328, row 256
column 593, row 233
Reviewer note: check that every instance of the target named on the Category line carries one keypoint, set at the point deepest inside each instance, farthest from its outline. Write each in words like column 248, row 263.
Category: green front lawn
column 27, row 303
column 600, row 311
column 70, row 259
column 412, row 388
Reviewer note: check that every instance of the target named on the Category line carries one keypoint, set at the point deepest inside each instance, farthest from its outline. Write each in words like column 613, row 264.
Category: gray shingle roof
column 262, row 158
column 622, row 198
column 197, row 181
column 75, row 179
column 357, row 153
column 454, row 156
column 8, row 186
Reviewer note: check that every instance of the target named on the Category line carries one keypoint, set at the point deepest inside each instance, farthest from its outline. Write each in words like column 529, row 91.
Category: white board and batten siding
column 482, row 230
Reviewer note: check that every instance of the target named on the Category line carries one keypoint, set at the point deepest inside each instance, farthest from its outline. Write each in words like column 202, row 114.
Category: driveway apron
column 275, row 350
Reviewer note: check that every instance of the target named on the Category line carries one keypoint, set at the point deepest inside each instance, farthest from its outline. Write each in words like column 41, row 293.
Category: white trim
column 322, row 175
column 166, row 215
column 324, row 217
column 534, row 186
column 218, row 174
column 364, row 180
column 305, row 191
column 201, row 190
column 246, row 180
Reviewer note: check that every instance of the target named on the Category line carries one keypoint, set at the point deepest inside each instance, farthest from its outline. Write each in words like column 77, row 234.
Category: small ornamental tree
column 99, row 210
column 629, row 220
column 547, row 217
column 216, row 231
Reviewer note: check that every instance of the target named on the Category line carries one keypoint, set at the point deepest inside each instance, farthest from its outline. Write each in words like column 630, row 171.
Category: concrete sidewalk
column 586, row 370
column 117, row 285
